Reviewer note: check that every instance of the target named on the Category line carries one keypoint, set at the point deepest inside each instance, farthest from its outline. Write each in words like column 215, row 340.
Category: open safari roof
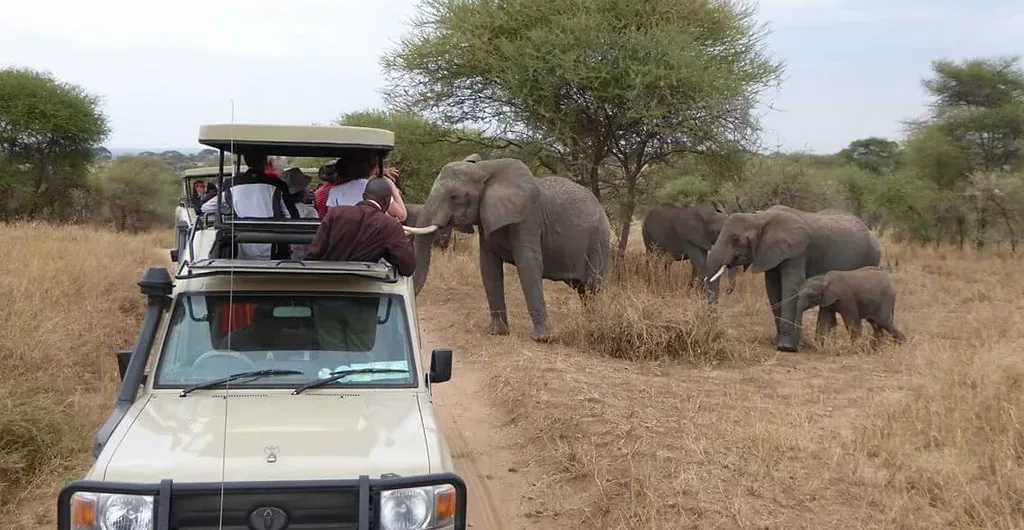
column 296, row 140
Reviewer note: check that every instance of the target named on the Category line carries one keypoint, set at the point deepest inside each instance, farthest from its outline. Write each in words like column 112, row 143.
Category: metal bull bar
column 368, row 489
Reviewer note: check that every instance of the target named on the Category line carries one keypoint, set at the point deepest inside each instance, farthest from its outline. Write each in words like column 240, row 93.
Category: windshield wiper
column 241, row 375
column 345, row 373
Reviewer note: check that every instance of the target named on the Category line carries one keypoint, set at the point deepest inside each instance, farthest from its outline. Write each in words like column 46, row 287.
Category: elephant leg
column 792, row 276
column 526, row 251
column 826, row 322
column 493, row 274
column 876, row 333
column 887, row 325
column 773, row 287
column 851, row 318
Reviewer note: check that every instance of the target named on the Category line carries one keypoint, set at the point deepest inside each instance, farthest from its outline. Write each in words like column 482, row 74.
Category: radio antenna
column 231, row 315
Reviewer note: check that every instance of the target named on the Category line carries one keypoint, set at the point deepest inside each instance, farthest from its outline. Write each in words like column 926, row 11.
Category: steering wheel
column 222, row 353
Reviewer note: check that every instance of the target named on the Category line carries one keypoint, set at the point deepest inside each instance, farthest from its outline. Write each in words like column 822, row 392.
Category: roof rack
column 220, row 266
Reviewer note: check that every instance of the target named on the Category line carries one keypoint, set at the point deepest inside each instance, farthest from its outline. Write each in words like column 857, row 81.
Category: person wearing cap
column 298, row 185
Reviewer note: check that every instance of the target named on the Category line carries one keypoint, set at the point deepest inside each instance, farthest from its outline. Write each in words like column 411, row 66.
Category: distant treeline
column 669, row 131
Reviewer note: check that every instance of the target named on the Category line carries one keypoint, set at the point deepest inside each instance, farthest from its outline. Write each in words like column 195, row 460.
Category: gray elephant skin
column 789, row 246
column 443, row 236
column 687, row 233
column 866, row 293
column 549, row 228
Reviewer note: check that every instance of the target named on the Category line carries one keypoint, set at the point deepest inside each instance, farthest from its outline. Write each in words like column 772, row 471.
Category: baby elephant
column 865, row 293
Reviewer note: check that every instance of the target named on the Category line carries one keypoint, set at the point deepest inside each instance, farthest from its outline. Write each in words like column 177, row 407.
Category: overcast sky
column 853, row 67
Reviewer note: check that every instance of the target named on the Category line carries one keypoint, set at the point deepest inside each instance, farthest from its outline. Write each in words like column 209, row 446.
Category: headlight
column 109, row 511
column 424, row 508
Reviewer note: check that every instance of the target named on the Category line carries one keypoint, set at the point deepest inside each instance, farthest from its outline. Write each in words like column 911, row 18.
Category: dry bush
column 70, row 301
column 635, row 317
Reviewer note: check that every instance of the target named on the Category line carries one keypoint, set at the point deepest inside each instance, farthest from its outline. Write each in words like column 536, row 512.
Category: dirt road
column 477, row 433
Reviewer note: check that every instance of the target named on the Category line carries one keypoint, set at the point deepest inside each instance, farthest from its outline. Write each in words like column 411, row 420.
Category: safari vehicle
column 185, row 213
column 273, row 395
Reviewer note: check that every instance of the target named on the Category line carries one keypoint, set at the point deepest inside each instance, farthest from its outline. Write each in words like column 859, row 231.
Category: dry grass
column 921, row 435
column 69, row 301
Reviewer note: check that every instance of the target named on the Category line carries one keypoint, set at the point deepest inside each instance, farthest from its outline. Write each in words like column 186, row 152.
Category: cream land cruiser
column 272, row 394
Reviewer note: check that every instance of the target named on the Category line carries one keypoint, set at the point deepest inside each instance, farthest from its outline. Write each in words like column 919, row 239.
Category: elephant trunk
column 433, row 216
column 423, row 245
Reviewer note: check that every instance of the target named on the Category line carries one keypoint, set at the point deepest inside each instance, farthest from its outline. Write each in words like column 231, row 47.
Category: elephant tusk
column 717, row 274
column 420, row 231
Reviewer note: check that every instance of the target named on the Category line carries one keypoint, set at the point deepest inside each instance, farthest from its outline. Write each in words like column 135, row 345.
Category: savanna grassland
column 68, row 302
column 651, row 414
column 645, row 413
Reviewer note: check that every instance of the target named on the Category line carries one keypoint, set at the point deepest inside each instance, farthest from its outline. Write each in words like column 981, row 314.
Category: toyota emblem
column 268, row 518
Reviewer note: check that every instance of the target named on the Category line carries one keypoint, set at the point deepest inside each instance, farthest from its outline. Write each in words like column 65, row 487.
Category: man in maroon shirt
column 361, row 232
column 364, row 232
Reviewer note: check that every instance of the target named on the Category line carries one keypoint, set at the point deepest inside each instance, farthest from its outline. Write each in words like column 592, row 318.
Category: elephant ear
column 829, row 292
column 510, row 192
column 697, row 226
column 783, row 236
column 475, row 157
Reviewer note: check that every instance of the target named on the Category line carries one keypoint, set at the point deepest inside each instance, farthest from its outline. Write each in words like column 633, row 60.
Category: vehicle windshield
column 215, row 335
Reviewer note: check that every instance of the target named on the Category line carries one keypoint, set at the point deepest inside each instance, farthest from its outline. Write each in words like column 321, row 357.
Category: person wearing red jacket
column 329, row 176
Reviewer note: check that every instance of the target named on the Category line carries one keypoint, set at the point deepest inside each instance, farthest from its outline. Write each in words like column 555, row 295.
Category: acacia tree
column 632, row 82
column 138, row 192
column 976, row 126
column 49, row 132
column 874, row 154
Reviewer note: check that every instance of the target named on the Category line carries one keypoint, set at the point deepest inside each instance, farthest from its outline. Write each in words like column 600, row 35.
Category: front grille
column 319, row 510
column 308, row 504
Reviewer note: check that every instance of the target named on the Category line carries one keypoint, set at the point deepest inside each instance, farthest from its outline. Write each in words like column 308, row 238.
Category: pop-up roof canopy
column 296, row 140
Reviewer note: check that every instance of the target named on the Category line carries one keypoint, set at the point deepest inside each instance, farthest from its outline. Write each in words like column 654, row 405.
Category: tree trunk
column 627, row 206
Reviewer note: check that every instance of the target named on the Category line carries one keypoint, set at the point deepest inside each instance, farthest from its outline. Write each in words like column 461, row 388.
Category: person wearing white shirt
column 349, row 192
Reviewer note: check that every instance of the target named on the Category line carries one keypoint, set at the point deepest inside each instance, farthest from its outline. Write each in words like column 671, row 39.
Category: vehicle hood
column 315, row 436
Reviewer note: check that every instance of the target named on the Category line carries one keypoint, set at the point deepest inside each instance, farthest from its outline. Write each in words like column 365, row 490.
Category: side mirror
column 123, row 357
column 440, row 365
column 174, row 255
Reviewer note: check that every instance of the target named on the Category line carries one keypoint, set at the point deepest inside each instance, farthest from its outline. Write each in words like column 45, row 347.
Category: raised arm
column 397, row 207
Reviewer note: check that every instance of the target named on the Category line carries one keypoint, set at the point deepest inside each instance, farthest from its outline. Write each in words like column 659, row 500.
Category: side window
column 187, row 342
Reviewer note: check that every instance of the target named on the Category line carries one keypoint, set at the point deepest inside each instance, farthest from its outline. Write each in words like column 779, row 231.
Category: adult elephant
column 550, row 228
column 687, row 233
column 790, row 245
column 442, row 238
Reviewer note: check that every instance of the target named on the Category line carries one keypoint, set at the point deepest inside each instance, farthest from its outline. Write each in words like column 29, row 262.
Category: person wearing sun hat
column 298, row 188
